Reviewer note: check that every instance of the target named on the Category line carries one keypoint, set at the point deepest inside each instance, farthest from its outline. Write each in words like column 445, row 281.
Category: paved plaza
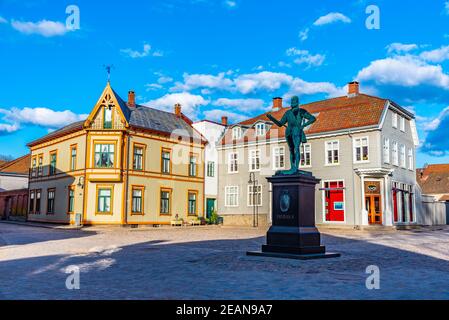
column 210, row 263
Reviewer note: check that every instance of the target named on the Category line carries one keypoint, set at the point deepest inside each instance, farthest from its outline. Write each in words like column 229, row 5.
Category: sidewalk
column 42, row 225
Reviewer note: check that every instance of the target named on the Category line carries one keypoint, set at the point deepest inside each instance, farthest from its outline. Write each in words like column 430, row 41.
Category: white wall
column 11, row 182
column 212, row 132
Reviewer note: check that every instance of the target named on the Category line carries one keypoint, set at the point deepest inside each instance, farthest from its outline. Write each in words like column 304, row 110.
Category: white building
column 212, row 131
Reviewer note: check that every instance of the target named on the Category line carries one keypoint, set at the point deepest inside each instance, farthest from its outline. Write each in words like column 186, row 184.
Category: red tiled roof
column 434, row 179
column 20, row 165
column 332, row 115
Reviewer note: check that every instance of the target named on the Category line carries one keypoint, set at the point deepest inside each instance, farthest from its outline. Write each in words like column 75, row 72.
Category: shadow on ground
column 219, row 269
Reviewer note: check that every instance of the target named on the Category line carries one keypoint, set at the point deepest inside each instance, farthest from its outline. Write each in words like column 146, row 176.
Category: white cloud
column 331, row 18
column 8, row 128
column 164, row 79
column 190, row 103
column 194, row 81
column 264, row 80
column 41, row 116
column 304, row 34
column 401, row 47
column 301, row 87
column 230, row 4
column 407, row 71
column 243, row 105
column 153, row 86
column 437, row 55
column 216, row 115
column 3, row 20
column 44, row 28
column 304, row 57
column 137, row 54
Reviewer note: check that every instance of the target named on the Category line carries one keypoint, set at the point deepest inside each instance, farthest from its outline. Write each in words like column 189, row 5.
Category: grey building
column 361, row 147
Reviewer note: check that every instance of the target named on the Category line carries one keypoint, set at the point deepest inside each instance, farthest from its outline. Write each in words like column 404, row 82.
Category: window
column 233, row 165
column 261, row 129
column 104, row 201
column 192, row 203
column 403, row 159
column 306, row 155
column 232, row 196
column 192, row 166
column 236, row 133
column 137, row 200
column 53, row 159
column 255, row 196
column 40, row 167
column 32, row 200
column 33, row 167
column 165, row 202
column 211, row 169
column 104, row 155
column 386, row 150
column 165, row 161
column 51, row 201
column 411, row 164
column 73, row 150
column 71, row 206
column 254, row 160
column 361, row 149
column 332, row 152
column 107, row 121
column 138, row 158
column 37, row 210
column 279, row 158
column 402, row 124
column 394, row 120
column 395, row 154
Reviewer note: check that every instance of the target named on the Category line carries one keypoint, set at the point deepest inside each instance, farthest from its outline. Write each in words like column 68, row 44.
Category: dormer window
column 236, row 133
column 107, row 120
column 261, row 129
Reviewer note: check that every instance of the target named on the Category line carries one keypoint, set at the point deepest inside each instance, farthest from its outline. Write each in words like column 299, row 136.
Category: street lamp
column 254, row 182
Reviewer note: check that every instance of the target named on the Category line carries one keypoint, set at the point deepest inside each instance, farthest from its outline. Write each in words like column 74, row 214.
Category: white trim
column 304, row 148
column 229, row 162
column 248, row 195
column 326, row 163
column 386, row 143
column 323, row 200
column 361, row 146
column 250, row 159
column 237, row 194
column 274, row 157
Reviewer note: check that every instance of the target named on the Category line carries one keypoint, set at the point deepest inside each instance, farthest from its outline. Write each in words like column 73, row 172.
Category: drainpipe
column 125, row 218
column 355, row 226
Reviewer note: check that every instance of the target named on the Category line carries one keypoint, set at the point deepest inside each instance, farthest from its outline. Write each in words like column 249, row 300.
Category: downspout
column 125, row 217
column 355, row 226
column 85, row 176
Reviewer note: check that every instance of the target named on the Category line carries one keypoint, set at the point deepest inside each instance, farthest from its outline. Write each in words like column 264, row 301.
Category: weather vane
column 108, row 68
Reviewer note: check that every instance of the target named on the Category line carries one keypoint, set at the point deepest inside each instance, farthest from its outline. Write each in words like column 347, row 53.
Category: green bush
column 214, row 218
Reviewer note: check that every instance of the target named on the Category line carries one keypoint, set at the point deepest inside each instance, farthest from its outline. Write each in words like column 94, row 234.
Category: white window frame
column 395, row 153
column 411, row 162
column 326, row 149
column 230, row 162
column 303, row 153
column 394, row 120
column 261, row 129
column 402, row 156
column 252, row 159
column 250, row 195
column 386, row 151
column 235, row 192
column 402, row 124
column 236, row 133
column 354, row 146
column 277, row 155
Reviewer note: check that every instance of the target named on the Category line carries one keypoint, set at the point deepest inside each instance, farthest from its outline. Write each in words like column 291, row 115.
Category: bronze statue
column 296, row 119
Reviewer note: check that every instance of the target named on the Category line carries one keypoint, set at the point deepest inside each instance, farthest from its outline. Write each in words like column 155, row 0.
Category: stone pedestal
column 293, row 233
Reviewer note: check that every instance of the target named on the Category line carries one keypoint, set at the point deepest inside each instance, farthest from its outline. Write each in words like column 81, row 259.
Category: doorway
column 210, row 207
column 374, row 208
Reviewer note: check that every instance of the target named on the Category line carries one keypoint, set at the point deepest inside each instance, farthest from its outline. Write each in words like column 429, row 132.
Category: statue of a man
column 296, row 119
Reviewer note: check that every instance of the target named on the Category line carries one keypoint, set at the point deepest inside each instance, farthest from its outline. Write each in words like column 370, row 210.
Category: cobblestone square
column 210, row 263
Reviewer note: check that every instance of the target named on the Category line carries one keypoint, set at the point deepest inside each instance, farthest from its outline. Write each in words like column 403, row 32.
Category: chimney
column 131, row 99
column 353, row 89
column 277, row 104
column 178, row 110
column 224, row 121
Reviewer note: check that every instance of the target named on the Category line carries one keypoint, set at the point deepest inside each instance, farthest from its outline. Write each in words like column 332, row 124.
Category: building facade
column 361, row 147
column 14, row 174
column 126, row 164
column 212, row 132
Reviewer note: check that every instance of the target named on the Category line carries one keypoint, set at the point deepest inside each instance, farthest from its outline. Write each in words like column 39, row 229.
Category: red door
column 334, row 201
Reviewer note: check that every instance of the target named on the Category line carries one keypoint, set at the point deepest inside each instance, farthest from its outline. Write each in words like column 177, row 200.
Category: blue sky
column 222, row 57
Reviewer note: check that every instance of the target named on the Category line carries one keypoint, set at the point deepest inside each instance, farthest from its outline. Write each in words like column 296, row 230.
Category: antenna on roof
column 108, row 68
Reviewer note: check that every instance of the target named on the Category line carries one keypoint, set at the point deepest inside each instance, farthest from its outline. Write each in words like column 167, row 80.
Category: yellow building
column 126, row 164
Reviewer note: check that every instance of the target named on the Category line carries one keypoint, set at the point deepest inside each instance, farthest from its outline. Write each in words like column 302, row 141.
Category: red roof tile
column 20, row 165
